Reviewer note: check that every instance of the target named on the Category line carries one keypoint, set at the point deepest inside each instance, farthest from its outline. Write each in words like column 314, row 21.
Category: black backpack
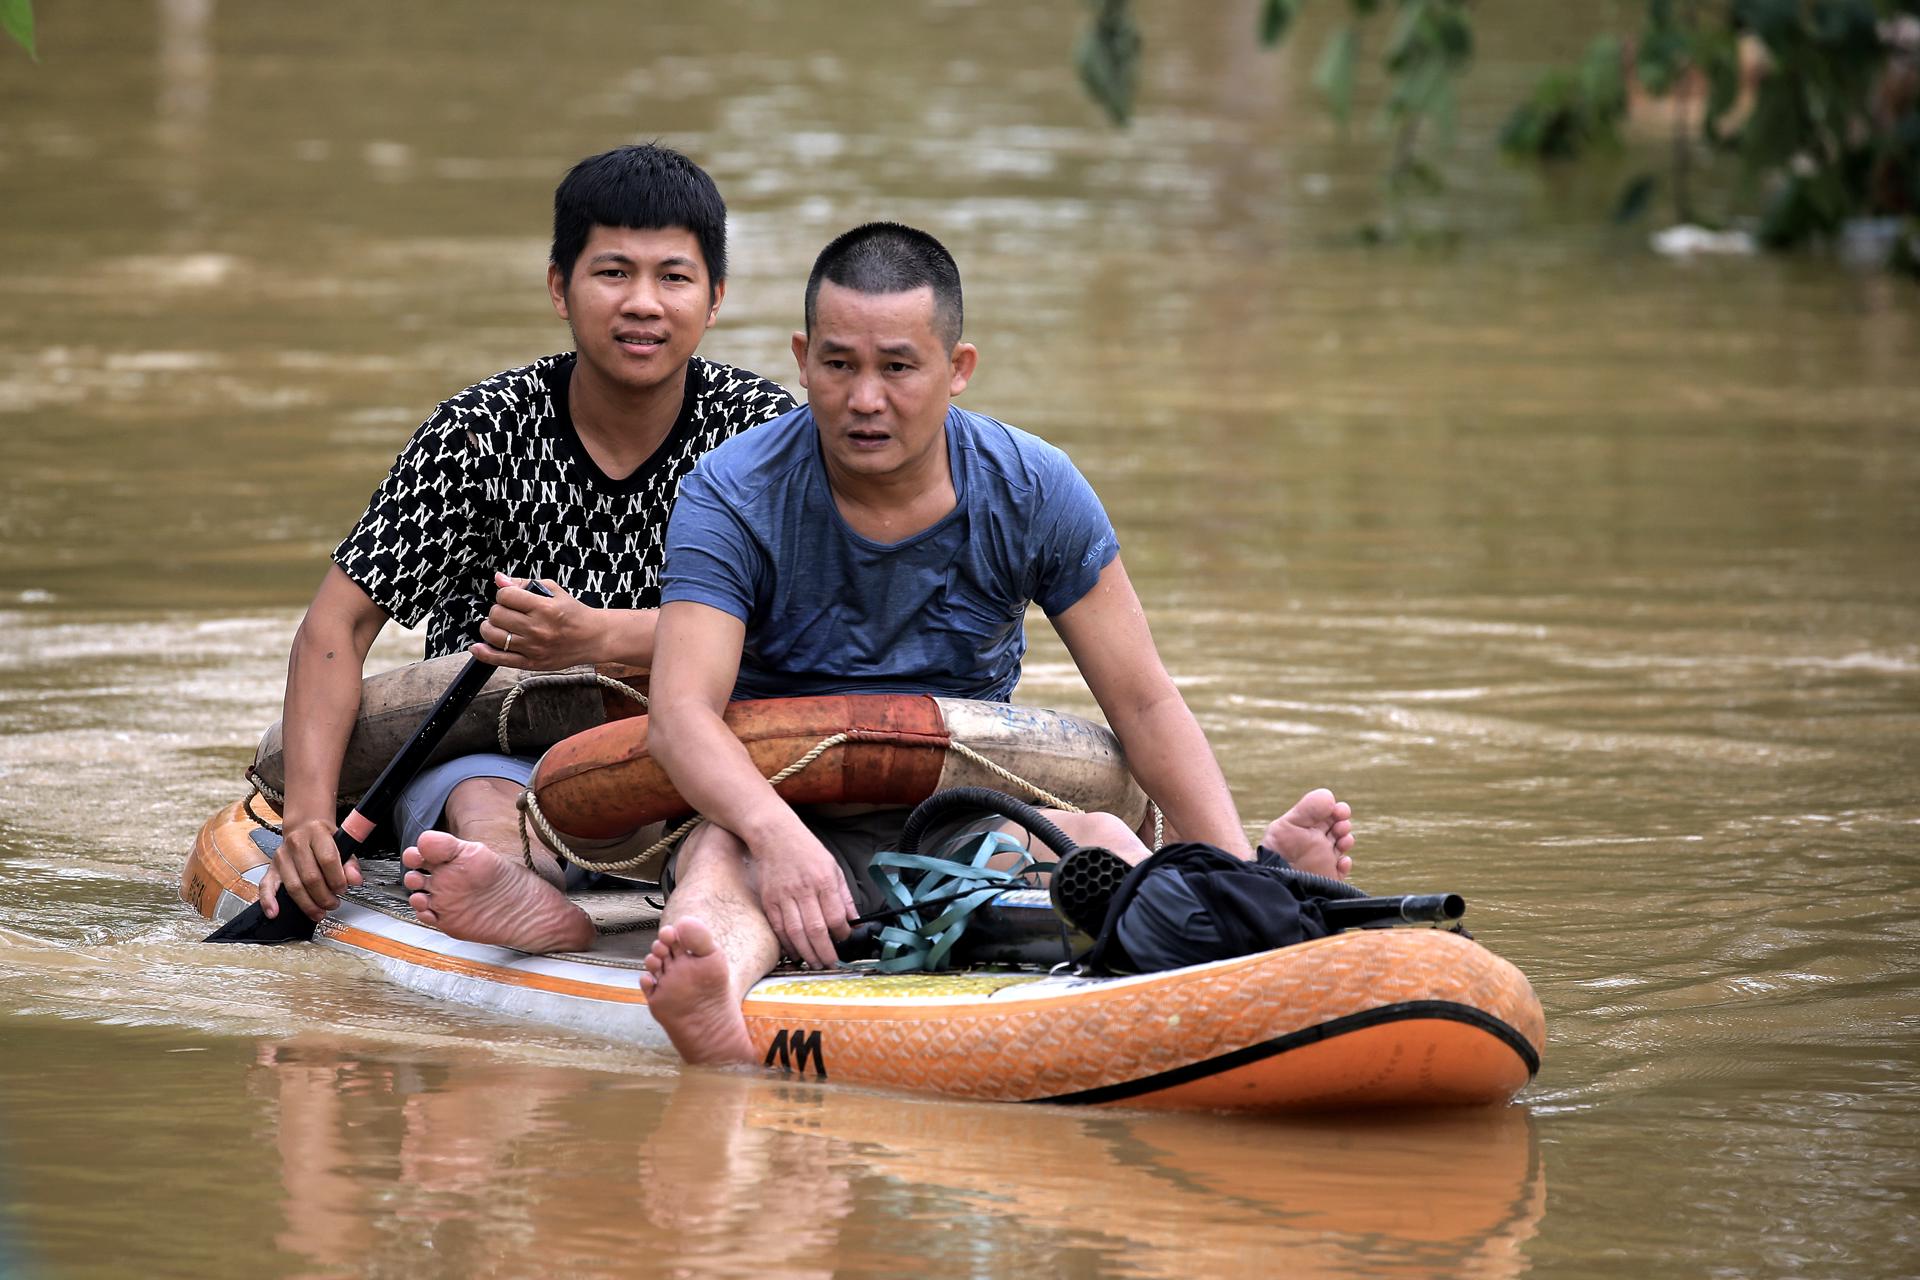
column 1191, row 903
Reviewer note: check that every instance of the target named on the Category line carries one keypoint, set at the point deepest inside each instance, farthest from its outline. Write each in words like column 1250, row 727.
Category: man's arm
column 1106, row 632
column 323, row 699
column 695, row 664
column 540, row 633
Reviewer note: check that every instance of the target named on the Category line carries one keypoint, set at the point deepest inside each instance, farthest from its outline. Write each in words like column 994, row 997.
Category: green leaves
column 1333, row 75
column 1665, row 52
column 1571, row 113
column 1429, row 43
column 1825, row 126
column 16, row 17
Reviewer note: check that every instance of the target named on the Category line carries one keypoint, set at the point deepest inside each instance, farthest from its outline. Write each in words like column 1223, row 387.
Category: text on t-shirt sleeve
column 1073, row 539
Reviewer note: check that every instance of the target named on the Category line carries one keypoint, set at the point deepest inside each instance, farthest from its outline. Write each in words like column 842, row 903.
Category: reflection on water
column 1589, row 580
column 327, row 1156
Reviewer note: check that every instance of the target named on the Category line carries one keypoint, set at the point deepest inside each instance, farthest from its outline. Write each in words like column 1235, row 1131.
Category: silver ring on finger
column 508, row 646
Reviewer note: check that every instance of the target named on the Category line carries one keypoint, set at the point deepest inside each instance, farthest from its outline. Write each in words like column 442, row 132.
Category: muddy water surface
column 1588, row 578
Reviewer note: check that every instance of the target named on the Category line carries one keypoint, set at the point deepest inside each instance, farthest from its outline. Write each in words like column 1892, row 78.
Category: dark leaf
column 1634, row 198
column 1108, row 58
column 1275, row 17
column 1776, row 22
column 1453, row 33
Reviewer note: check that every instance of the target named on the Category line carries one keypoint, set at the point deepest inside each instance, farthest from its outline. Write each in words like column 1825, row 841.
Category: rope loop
column 1039, row 793
column 246, row 807
column 530, row 807
column 557, row 679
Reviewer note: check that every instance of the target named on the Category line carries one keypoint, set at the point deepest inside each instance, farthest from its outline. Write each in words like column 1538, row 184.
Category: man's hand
column 308, row 863
column 539, row 633
column 806, row 899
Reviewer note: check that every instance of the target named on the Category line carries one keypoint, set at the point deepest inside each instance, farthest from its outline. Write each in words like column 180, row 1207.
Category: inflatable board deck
column 1364, row 1019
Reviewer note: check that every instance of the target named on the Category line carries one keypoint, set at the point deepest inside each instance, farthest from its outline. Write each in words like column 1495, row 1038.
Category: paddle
column 292, row 924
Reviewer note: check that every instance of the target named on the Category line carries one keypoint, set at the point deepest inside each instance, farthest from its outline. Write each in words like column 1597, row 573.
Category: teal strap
column 915, row 944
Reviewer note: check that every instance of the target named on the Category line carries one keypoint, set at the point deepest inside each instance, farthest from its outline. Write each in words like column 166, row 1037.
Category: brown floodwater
column 1591, row 579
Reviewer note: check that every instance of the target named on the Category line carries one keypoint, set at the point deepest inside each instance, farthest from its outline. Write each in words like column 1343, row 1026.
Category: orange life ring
column 892, row 749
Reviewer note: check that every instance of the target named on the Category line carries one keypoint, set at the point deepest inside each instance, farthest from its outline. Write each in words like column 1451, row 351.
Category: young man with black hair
column 563, row 470
column 883, row 540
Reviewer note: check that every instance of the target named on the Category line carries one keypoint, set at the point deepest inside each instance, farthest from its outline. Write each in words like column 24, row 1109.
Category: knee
column 1103, row 829
column 709, row 852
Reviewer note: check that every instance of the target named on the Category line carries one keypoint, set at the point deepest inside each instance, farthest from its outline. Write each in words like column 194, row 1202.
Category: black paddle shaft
column 292, row 924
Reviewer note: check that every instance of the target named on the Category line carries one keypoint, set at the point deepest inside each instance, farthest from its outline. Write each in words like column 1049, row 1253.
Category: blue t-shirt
column 755, row 533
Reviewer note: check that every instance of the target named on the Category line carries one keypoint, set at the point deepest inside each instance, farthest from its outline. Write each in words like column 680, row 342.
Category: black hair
column 646, row 187
column 886, row 257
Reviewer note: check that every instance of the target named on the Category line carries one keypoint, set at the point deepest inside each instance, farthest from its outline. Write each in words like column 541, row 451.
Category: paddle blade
column 255, row 926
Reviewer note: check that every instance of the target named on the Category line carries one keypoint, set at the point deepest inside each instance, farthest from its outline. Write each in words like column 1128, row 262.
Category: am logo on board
column 791, row 1050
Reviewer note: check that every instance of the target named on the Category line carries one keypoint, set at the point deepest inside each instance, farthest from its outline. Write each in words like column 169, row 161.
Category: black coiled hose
column 941, row 803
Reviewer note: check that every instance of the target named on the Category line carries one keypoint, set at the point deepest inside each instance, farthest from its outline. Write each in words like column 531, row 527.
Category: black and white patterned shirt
column 497, row 479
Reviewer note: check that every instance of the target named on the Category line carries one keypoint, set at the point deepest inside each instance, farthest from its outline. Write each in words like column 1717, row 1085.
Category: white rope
column 529, row 805
column 558, row 679
column 1041, row 794
column 530, row 808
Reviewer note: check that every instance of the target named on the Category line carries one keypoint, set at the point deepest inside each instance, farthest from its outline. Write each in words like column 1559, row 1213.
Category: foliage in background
column 16, row 16
column 1108, row 57
column 1428, row 44
column 1818, row 99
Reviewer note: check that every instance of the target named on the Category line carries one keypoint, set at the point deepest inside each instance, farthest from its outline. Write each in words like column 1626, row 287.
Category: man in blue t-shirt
column 882, row 540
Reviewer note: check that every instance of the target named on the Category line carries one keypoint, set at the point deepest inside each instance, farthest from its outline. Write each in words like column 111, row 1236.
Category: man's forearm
column 1169, row 755
column 714, row 774
column 322, row 702
column 627, row 636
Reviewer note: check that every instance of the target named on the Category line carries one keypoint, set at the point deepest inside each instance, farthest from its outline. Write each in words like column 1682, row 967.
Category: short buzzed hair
column 886, row 257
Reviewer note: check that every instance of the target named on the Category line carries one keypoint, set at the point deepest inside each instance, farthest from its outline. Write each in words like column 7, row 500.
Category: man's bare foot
column 690, row 993
column 468, row 891
column 1314, row 835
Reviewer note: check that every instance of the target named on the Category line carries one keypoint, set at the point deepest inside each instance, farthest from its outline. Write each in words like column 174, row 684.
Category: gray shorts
column 423, row 805
column 854, row 838
column 423, row 802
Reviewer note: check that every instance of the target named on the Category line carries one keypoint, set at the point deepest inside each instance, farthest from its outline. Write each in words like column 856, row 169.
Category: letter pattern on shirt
column 494, row 480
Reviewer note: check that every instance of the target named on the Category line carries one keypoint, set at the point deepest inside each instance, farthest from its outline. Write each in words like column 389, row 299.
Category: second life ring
column 879, row 749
